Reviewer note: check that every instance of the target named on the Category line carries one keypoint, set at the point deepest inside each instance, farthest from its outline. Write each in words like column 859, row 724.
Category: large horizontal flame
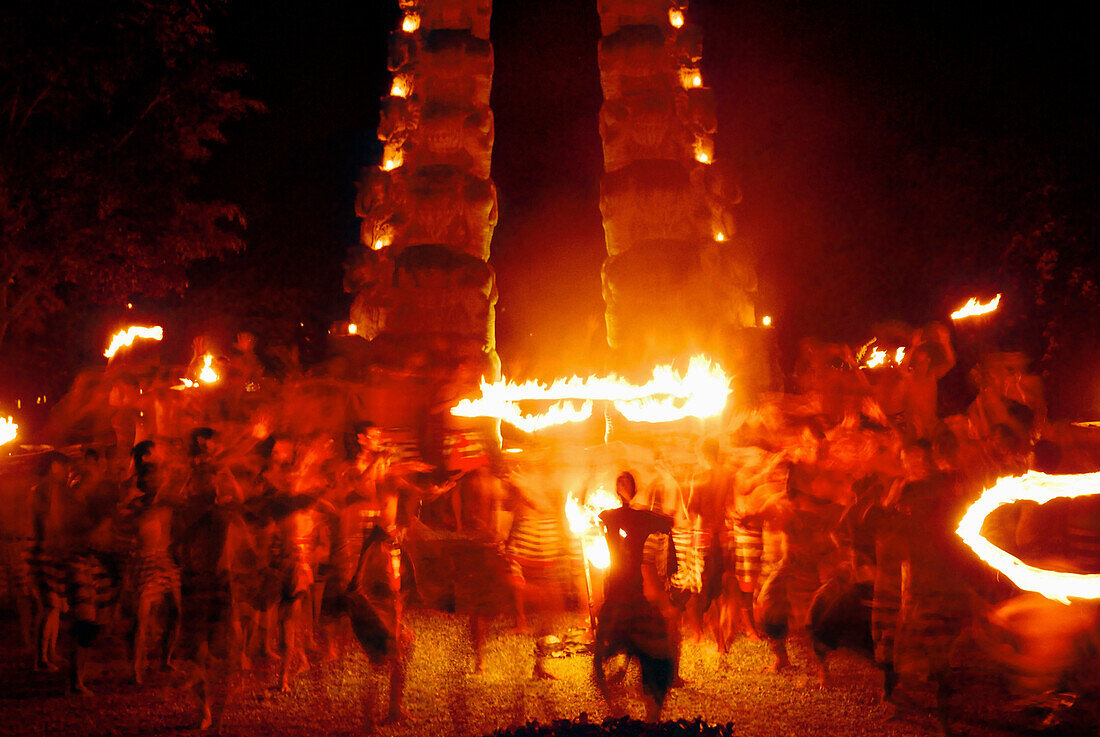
column 124, row 338
column 9, row 431
column 666, row 397
column 584, row 522
column 974, row 307
column 1041, row 488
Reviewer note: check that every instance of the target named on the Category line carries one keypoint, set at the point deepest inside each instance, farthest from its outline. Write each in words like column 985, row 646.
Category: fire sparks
column 584, row 522
column 9, row 431
column 973, row 307
column 400, row 86
column 1041, row 488
column 125, row 338
column 676, row 18
column 410, row 23
column 667, row 396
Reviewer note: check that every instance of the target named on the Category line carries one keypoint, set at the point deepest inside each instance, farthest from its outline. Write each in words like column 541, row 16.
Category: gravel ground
column 444, row 697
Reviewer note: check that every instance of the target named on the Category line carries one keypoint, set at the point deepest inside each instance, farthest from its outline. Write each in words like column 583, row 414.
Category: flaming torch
column 973, row 308
column 668, row 396
column 126, row 338
column 9, row 431
column 1041, row 488
column 584, row 522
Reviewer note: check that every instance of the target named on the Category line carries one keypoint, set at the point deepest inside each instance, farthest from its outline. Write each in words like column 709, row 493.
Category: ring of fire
column 1041, row 488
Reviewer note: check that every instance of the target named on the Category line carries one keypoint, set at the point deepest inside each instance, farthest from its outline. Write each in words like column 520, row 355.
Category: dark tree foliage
column 107, row 107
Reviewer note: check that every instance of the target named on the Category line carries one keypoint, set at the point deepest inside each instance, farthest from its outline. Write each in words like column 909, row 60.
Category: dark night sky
column 824, row 112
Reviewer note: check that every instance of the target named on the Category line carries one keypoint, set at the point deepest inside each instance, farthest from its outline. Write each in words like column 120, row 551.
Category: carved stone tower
column 675, row 280
column 424, row 292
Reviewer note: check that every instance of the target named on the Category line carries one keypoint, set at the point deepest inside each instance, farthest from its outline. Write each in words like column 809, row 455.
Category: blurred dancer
column 629, row 623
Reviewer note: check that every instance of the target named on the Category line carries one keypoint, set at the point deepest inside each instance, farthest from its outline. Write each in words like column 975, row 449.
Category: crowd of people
column 830, row 509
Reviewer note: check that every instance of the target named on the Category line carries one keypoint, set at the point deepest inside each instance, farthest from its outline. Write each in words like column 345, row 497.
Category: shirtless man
column 158, row 576
column 301, row 517
column 50, row 498
column 706, row 511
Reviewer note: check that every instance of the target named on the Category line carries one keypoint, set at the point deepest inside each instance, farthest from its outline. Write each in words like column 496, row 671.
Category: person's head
column 626, row 487
column 201, row 438
column 368, row 435
column 945, row 448
column 54, row 466
column 917, row 459
column 1046, row 456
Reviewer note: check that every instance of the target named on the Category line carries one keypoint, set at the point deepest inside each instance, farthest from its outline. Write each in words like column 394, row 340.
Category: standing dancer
column 630, row 623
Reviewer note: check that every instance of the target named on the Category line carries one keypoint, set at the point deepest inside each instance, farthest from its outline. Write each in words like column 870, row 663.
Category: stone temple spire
column 676, row 280
column 424, row 292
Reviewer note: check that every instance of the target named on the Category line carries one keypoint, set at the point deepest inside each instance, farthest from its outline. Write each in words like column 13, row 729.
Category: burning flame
column 691, row 78
column 1041, row 488
column 666, row 397
column 584, row 522
column 9, row 431
column 400, row 87
column 393, row 161
column 974, row 307
column 125, row 338
column 410, row 23
column 876, row 359
column 208, row 375
column 676, row 18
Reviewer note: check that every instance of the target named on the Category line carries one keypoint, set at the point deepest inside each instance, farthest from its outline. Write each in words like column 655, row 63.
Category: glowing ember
column 974, row 307
column 676, row 18
column 584, row 522
column 410, row 23
column 208, row 375
column 400, row 87
column 766, row 321
column 1041, row 488
column 667, row 396
column 125, row 338
column 9, row 431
